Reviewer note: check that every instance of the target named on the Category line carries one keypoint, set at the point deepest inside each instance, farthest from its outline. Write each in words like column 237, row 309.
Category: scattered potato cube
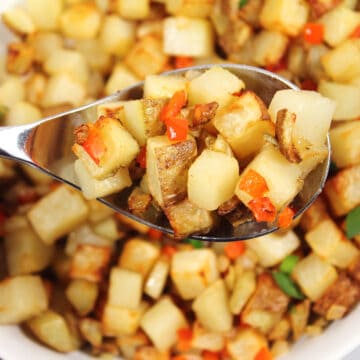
column 161, row 323
column 139, row 255
column 187, row 36
column 215, row 84
column 20, row 58
column 107, row 229
column 117, row 35
column 12, row 91
column 272, row 248
column 98, row 211
column 204, row 339
column 90, row 262
column 342, row 190
column 134, row 10
column 91, row 331
column 159, row 87
column 45, row 43
column 192, row 271
column 35, row 89
column 120, row 78
column 13, row 292
column 315, row 214
column 129, row 344
column 156, row 280
column 125, row 288
column 22, row 113
column 82, row 295
column 45, row 15
column 314, row 275
column 51, row 329
column 281, row 330
column 287, row 16
column 68, row 211
column 299, row 317
column 192, row 8
column 214, row 296
column 19, row 21
column 80, row 21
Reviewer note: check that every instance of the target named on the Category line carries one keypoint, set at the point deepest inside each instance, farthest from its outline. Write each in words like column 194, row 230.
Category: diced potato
column 215, row 84
column 129, row 344
column 246, row 344
column 269, row 47
column 342, row 190
column 45, row 43
column 51, row 329
column 45, row 15
column 156, row 280
column 91, row 331
column 125, row 288
column 150, row 353
column 192, row 271
column 118, row 321
column 314, row 275
column 93, row 188
column 159, row 87
column 316, row 213
column 141, row 118
column 187, row 218
column 287, row 16
column 281, row 330
column 244, row 287
column 80, row 21
column 82, row 295
column 345, row 144
column 215, row 296
column 299, row 316
column 328, row 241
column 134, row 10
column 193, row 8
column 21, row 298
column 25, row 252
column 161, row 323
column 272, row 248
column 167, row 168
column 266, row 306
column 204, row 339
column 121, row 149
column 20, row 58
column 283, row 178
column 35, row 88
column 296, row 60
column 68, row 210
column 120, row 78
column 208, row 187
column 68, row 61
column 187, row 36
column 344, row 95
column 243, row 123
column 139, row 255
column 22, row 113
column 133, row 224
column 279, row 348
column 146, row 57
column 342, row 62
column 12, row 91
column 18, row 20
column 63, row 89
column 90, row 262
column 108, row 229
column 117, row 35
column 98, row 211
column 344, row 19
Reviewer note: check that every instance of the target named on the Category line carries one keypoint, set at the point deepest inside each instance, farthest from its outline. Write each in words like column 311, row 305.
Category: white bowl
column 339, row 340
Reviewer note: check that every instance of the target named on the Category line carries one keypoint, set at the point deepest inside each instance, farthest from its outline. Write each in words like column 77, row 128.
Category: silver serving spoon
column 46, row 145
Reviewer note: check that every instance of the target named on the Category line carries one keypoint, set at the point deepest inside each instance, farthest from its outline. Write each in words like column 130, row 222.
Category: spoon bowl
column 47, row 143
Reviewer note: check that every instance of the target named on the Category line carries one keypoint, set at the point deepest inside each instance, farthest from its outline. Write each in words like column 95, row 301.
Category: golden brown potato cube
column 138, row 255
column 45, row 15
column 287, row 16
column 21, row 297
column 20, row 58
column 314, row 275
column 91, row 331
column 204, row 339
column 68, row 210
column 90, row 262
column 192, row 271
column 51, row 329
column 22, row 113
column 44, row 44
column 82, row 295
column 192, row 8
column 160, row 87
column 146, row 57
column 98, row 211
column 186, row 218
column 266, row 306
column 167, row 168
column 129, row 344
column 108, row 229
column 299, row 316
column 35, row 88
column 157, row 278
column 342, row 190
column 134, row 10
column 243, row 123
column 161, row 323
column 338, row 299
column 19, row 21
column 345, row 144
column 26, row 252
column 315, row 214
column 120, row 78
column 246, row 344
column 150, row 353
column 80, row 21
column 281, row 330
column 12, row 90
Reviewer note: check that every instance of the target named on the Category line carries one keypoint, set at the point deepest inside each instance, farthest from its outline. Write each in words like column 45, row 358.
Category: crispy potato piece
column 129, row 344
column 19, row 21
column 299, row 315
column 157, row 278
column 150, row 353
column 354, row 270
column 281, row 330
column 320, row 7
column 91, row 331
column 139, row 201
column 45, row 15
column 316, row 213
column 20, row 58
column 204, row 339
column 134, row 10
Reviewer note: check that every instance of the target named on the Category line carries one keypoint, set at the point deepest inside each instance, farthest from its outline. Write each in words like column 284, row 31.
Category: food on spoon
column 203, row 144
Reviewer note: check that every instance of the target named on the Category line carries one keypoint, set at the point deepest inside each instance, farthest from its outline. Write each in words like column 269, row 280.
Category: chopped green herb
column 196, row 244
column 242, row 3
column 352, row 223
column 288, row 264
column 288, row 286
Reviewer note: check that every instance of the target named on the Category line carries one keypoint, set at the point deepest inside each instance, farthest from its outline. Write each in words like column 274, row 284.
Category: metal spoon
column 46, row 145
